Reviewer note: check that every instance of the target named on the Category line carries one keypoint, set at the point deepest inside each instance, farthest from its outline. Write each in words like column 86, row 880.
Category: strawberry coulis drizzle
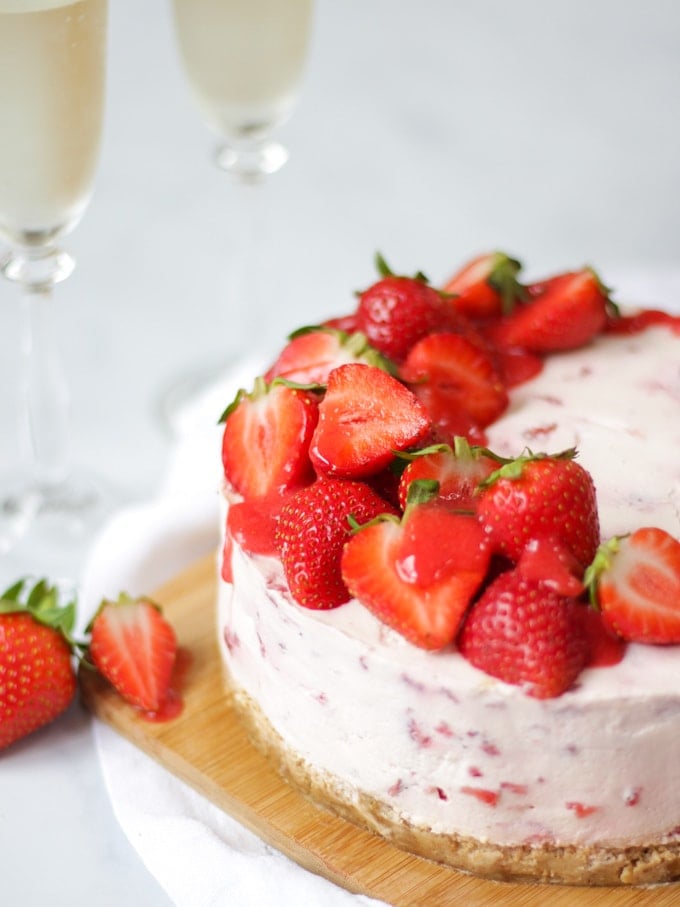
column 174, row 701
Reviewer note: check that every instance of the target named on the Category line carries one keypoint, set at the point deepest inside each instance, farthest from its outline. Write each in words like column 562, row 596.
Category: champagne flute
column 52, row 75
column 244, row 60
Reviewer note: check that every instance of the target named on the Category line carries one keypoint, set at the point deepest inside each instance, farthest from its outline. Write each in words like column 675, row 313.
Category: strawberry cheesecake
column 449, row 594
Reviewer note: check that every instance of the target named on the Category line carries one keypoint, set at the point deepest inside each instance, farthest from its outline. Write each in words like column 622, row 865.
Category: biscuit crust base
column 570, row 865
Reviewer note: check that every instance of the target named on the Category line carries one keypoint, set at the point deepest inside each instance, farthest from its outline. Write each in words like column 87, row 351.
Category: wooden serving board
column 207, row 747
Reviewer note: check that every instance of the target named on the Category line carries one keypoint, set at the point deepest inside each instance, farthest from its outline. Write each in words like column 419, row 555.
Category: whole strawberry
column 525, row 634
column 397, row 311
column 541, row 496
column 37, row 677
column 313, row 526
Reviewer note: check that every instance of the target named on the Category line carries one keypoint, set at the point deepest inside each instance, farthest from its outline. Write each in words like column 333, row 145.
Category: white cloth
column 199, row 855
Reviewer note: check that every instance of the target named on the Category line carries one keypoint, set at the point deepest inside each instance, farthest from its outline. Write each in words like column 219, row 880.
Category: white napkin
column 198, row 854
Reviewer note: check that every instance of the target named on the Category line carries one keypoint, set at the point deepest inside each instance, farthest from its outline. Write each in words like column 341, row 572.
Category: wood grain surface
column 207, row 747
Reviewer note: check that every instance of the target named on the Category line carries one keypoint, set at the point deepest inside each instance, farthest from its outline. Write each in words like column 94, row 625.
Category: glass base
column 251, row 164
column 48, row 530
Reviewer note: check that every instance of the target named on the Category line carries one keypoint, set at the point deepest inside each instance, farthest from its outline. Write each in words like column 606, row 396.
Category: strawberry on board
column 397, row 311
column 312, row 352
column 37, row 677
column 134, row 647
column 539, row 496
column 635, row 581
column 455, row 380
column 562, row 313
column 419, row 588
column 458, row 470
column 266, row 439
column 365, row 416
column 486, row 287
column 313, row 525
column 525, row 634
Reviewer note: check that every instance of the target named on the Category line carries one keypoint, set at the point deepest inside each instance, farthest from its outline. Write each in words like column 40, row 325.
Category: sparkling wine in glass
column 52, row 85
column 244, row 61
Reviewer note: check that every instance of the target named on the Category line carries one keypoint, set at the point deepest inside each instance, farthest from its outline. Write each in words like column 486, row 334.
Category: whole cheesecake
column 416, row 742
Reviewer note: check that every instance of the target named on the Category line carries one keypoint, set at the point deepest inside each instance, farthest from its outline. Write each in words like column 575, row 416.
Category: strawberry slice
column 563, row 313
column 526, row 634
column 266, row 439
column 365, row 416
column 312, row 527
column 311, row 353
column 134, row 647
column 455, row 380
column 635, row 580
column 419, row 589
column 486, row 287
column 458, row 470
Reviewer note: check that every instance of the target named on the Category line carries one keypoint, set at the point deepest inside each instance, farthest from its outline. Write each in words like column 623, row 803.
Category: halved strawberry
column 312, row 527
column 134, row 647
column 455, row 380
column 458, row 470
column 312, row 352
column 397, row 311
column 365, row 416
column 418, row 588
column 562, row 313
column 486, row 287
column 525, row 634
column 635, row 581
column 266, row 439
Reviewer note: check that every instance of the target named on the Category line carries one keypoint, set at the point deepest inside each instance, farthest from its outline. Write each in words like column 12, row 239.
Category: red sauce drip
column 635, row 324
column 174, row 702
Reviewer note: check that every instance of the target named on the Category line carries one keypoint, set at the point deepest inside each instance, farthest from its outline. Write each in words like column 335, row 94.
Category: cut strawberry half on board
column 486, row 287
column 453, row 377
column 418, row 588
column 365, row 416
column 266, row 439
column 525, row 634
column 313, row 525
column 538, row 496
column 311, row 354
column 563, row 313
column 635, row 581
column 458, row 471
column 397, row 311
column 134, row 647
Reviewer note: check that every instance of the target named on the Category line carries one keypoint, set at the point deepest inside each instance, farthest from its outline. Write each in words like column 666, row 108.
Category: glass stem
column 47, row 402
